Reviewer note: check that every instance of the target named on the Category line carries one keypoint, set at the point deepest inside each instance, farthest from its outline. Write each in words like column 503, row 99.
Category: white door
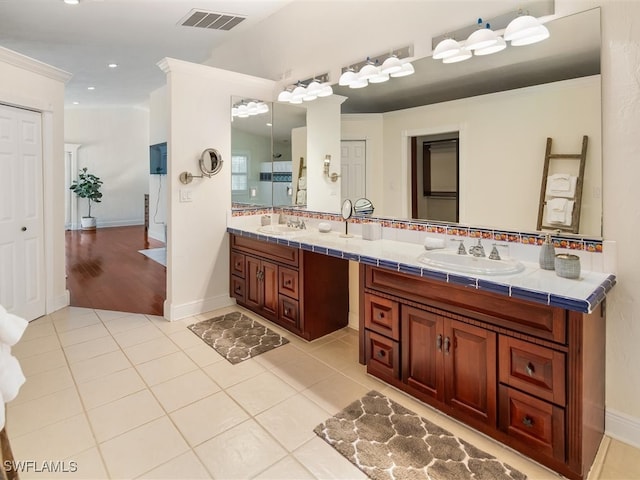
column 22, row 272
column 352, row 169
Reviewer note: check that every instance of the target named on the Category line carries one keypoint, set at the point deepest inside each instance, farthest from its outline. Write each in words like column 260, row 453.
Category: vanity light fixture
column 519, row 29
column 249, row 108
column 378, row 69
column 72, row 2
column 307, row 90
column 481, row 38
column 525, row 30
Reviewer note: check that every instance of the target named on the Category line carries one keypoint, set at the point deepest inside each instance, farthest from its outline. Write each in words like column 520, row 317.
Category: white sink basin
column 450, row 260
column 282, row 230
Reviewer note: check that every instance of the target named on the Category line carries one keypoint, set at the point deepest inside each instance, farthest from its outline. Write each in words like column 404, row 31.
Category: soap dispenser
column 547, row 254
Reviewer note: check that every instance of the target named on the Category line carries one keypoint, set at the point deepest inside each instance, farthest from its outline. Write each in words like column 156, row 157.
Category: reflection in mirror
column 251, row 167
column 504, row 107
column 263, row 148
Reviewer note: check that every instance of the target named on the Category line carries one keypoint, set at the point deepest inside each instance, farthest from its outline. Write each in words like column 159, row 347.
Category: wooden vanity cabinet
column 529, row 375
column 307, row 293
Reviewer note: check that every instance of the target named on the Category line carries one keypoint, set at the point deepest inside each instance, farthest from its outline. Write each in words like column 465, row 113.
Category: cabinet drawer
column 238, row 288
column 382, row 316
column 289, row 314
column 382, row 355
column 271, row 251
column 533, row 368
column 288, row 282
column 535, row 422
column 237, row 264
column 522, row 316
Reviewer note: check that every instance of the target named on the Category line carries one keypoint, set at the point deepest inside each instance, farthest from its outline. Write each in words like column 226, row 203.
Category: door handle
column 530, row 369
column 439, row 343
column 447, row 345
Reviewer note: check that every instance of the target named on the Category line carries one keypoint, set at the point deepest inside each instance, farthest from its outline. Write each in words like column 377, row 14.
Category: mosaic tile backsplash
column 572, row 242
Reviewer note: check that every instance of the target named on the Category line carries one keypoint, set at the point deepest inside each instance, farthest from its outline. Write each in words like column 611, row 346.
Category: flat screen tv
column 158, row 159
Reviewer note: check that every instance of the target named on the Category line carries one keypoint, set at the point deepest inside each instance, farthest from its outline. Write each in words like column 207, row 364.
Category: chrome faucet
column 477, row 250
column 296, row 223
column 495, row 255
column 461, row 249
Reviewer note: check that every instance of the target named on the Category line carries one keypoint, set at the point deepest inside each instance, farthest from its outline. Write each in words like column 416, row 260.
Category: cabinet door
column 470, row 370
column 253, row 285
column 422, row 347
column 270, row 289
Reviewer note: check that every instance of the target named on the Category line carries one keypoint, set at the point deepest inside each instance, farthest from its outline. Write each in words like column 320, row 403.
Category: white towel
column 560, row 211
column 11, row 376
column 11, row 327
column 431, row 243
column 561, row 185
column 301, row 198
column 302, row 183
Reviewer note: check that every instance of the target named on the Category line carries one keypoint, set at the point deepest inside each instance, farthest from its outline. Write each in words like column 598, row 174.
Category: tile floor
column 133, row 396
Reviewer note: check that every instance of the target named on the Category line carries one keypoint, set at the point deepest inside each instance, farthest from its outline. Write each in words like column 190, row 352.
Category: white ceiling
column 83, row 39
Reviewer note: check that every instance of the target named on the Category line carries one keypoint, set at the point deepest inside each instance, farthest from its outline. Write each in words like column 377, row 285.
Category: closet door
column 22, row 271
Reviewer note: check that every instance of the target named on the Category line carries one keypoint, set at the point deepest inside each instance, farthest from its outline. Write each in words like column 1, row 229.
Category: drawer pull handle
column 447, row 345
column 287, row 282
column 439, row 343
column 380, row 315
column 381, row 353
column 238, row 288
column 527, row 422
column 286, row 311
column 238, row 265
column 530, row 369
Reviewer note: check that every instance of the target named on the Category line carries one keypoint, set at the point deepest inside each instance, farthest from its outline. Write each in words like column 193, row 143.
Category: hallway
column 106, row 271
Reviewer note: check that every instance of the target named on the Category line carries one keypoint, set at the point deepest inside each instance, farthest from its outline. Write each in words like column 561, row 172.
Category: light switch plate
column 185, row 195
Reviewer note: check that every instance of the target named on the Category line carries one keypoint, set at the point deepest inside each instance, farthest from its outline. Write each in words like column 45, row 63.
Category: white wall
column 621, row 150
column 158, row 133
column 31, row 84
column 198, row 246
column 115, row 147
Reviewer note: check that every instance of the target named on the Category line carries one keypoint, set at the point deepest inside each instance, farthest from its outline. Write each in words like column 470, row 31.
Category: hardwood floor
column 105, row 270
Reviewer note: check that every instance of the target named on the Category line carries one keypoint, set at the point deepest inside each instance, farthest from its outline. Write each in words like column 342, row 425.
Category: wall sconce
column 327, row 164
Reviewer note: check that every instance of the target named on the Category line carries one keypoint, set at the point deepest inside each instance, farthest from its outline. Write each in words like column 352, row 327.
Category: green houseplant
column 87, row 186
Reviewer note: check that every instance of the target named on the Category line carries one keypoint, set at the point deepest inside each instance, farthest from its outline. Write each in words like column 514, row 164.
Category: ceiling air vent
column 212, row 20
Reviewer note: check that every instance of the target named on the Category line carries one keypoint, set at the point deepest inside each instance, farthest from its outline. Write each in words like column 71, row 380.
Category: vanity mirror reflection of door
column 435, row 177
column 353, row 169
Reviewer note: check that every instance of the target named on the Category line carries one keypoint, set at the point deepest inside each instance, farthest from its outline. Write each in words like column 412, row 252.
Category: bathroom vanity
column 518, row 357
column 529, row 375
column 305, row 292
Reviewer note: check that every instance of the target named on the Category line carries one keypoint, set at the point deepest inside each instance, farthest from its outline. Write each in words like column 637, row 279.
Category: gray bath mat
column 389, row 442
column 237, row 337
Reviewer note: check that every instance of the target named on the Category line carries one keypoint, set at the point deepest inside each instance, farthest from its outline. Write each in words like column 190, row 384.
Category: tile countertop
column 533, row 284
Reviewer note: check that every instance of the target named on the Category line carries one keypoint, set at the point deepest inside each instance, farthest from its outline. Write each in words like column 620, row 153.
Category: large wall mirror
column 263, row 152
column 503, row 107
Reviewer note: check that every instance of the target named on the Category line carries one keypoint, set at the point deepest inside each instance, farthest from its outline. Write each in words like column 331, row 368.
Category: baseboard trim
column 354, row 321
column 56, row 303
column 177, row 312
column 622, row 427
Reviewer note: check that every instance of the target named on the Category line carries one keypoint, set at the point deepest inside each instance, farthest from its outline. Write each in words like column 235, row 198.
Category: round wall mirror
column 363, row 206
column 210, row 162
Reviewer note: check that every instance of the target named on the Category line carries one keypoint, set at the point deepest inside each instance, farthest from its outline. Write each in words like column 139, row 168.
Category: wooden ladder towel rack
column 577, row 198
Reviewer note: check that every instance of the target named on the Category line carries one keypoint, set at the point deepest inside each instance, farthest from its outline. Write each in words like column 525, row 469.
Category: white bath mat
column 156, row 254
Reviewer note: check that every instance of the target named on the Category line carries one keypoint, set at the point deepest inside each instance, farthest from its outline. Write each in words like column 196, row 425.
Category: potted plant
column 87, row 186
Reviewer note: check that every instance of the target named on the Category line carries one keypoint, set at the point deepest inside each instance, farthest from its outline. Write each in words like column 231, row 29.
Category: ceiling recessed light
column 113, row 65
column 91, row 88
column 72, row 2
